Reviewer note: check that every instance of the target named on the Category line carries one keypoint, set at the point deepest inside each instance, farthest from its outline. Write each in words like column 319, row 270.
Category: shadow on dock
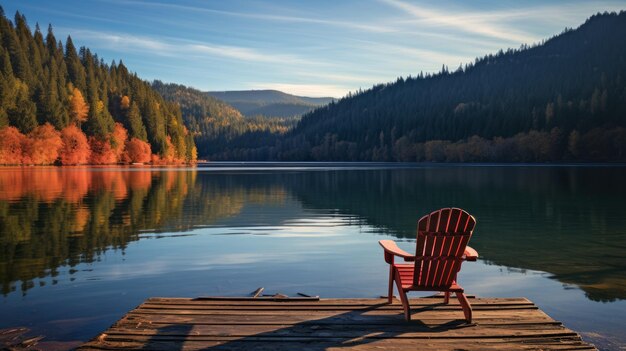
column 335, row 324
column 299, row 336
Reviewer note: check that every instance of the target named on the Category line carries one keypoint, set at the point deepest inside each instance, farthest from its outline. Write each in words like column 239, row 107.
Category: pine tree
column 135, row 125
column 75, row 69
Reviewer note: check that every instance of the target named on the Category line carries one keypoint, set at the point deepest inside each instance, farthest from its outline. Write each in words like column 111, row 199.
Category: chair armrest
column 391, row 248
column 470, row 254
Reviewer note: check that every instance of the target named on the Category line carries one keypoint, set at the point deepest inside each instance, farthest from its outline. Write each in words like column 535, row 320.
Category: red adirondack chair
column 441, row 247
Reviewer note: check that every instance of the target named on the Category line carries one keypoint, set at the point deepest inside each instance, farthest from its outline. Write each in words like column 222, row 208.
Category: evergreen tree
column 43, row 82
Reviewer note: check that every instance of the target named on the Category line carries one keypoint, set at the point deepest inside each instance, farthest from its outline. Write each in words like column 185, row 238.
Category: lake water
column 79, row 247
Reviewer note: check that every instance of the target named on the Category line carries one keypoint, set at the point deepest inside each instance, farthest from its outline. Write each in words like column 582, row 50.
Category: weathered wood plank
column 331, row 319
column 333, row 324
column 325, row 302
column 450, row 314
column 444, row 331
column 361, row 345
column 299, row 307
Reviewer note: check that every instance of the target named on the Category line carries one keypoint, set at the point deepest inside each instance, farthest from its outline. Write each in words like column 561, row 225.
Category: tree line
column 75, row 108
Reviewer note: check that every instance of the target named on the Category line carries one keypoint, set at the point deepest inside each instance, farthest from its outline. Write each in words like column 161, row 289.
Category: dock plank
column 333, row 324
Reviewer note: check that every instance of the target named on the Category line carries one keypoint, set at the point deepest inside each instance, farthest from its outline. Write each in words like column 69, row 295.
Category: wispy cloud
column 246, row 54
column 472, row 23
column 412, row 54
column 173, row 47
column 364, row 78
column 271, row 17
column 561, row 13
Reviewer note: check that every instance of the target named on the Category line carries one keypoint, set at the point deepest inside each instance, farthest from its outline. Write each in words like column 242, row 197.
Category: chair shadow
column 355, row 328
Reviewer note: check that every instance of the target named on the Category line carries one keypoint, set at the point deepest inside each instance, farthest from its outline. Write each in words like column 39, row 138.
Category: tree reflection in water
column 567, row 221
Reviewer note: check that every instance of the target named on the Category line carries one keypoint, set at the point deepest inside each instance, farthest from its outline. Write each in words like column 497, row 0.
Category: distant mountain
column 203, row 114
column 272, row 103
column 561, row 100
column 216, row 124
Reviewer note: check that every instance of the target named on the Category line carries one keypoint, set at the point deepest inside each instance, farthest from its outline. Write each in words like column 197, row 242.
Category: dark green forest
column 45, row 82
column 563, row 99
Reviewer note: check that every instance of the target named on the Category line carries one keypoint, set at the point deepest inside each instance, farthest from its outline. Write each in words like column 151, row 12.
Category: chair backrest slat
column 441, row 240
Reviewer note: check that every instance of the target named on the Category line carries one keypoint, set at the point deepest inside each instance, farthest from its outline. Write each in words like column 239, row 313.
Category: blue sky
column 314, row 48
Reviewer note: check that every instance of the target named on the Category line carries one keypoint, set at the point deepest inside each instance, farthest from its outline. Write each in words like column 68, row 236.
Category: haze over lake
column 81, row 246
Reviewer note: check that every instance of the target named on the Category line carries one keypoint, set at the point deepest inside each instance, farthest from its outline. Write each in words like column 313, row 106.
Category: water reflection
column 567, row 221
column 62, row 217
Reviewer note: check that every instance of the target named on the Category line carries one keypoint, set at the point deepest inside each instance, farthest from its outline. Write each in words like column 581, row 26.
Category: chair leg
column 390, row 290
column 403, row 298
column 467, row 308
column 446, row 297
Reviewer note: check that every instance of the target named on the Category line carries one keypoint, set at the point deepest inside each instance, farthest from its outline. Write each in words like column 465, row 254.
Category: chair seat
column 406, row 271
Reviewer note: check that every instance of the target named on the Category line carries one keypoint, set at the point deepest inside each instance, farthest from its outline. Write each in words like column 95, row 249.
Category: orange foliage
column 11, row 142
column 75, row 149
column 101, row 152
column 42, row 146
column 125, row 103
column 169, row 154
column 156, row 160
column 118, row 140
column 138, row 151
column 78, row 107
column 169, row 157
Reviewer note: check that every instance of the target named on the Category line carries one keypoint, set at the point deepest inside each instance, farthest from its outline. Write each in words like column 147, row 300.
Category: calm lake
column 79, row 247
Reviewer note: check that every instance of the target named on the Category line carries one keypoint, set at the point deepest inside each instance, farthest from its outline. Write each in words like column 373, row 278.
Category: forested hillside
column 270, row 103
column 217, row 126
column 561, row 100
column 60, row 105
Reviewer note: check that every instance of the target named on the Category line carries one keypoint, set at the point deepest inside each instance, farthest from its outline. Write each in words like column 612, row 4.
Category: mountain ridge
column 269, row 102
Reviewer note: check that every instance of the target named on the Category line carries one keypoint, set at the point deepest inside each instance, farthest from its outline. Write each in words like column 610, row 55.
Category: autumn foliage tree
column 42, row 145
column 79, row 109
column 110, row 149
column 138, row 151
column 101, row 151
column 75, row 149
column 11, row 142
column 125, row 102
column 118, row 140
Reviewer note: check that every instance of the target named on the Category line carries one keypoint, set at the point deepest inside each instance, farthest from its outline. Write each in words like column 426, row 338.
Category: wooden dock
column 334, row 324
